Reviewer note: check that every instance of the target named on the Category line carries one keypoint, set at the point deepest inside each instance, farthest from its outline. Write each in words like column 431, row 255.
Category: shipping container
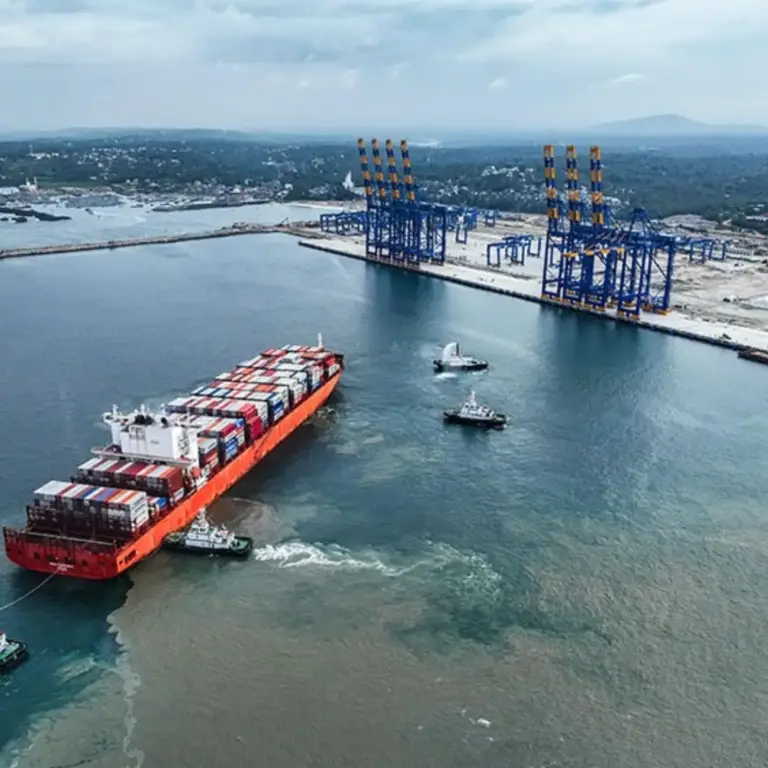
column 255, row 361
column 214, row 426
column 215, row 407
column 151, row 478
column 157, row 506
column 81, row 496
column 298, row 387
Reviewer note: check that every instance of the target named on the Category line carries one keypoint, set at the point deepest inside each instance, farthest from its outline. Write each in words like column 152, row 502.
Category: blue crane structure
column 397, row 226
column 704, row 249
column 600, row 264
column 513, row 249
column 343, row 223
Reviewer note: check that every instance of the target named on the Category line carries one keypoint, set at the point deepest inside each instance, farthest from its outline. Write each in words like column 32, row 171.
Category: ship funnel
column 320, row 340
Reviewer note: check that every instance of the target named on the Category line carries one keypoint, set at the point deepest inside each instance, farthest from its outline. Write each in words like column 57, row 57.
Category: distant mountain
column 174, row 134
column 673, row 125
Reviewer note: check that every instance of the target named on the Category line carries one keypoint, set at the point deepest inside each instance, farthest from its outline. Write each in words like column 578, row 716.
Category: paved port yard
column 715, row 301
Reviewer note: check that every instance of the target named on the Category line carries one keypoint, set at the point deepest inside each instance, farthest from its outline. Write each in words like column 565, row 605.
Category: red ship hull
column 99, row 560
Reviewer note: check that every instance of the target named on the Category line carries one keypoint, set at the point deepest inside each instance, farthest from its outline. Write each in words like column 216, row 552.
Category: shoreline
column 673, row 324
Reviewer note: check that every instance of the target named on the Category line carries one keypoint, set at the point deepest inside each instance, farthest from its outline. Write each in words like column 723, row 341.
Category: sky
column 475, row 65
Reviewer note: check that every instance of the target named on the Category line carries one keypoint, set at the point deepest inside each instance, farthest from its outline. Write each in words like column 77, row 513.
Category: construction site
column 678, row 276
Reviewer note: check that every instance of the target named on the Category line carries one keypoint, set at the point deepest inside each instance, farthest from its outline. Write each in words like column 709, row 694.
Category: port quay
column 626, row 272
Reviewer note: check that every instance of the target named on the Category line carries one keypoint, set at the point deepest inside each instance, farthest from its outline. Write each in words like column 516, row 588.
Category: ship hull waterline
column 98, row 561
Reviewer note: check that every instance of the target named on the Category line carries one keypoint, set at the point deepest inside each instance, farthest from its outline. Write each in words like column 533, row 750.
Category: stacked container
column 254, row 417
column 208, row 451
column 154, row 479
column 87, row 509
column 272, row 400
column 157, row 506
column 221, row 429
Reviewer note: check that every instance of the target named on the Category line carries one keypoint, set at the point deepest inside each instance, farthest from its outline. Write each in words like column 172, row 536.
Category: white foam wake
column 300, row 554
column 297, row 554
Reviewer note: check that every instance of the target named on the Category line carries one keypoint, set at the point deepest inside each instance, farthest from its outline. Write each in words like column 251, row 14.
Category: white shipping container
column 298, row 389
column 263, row 410
column 51, row 489
column 73, row 492
column 281, row 392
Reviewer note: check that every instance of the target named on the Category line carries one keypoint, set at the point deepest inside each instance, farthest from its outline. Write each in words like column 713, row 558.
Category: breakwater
column 22, row 214
column 300, row 228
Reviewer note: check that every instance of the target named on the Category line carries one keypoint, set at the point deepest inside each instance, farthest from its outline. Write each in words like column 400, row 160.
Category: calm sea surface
column 588, row 588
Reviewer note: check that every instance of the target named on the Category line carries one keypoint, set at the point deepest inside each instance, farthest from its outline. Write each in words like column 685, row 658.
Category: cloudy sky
column 343, row 64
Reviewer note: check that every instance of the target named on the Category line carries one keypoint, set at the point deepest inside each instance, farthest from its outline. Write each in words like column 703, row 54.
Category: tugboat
column 475, row 415
column 203, row 538
column 452, row 360
column 12, row 652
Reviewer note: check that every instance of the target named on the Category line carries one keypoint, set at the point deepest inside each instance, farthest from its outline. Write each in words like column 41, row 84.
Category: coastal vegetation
column 720, row 182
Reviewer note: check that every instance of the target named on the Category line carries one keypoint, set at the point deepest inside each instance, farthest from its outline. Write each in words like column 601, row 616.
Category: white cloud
column 630, row 77
column 637, row 33
column 212, row 51
column 350, row 78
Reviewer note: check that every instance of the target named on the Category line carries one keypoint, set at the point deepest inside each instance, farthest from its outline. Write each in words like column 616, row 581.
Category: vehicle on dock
column 453, row 360
column 12, row 652
column 205, row 539
column 472, row 414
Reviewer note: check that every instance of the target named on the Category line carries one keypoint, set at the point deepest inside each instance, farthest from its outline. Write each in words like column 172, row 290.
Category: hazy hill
column 672, row 125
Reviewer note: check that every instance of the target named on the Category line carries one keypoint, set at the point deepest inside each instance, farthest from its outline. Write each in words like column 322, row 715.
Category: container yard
column 676, row 276
column 161, row 469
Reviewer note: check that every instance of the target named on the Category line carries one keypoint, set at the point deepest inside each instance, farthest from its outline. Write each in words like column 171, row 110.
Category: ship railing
column 58, row 540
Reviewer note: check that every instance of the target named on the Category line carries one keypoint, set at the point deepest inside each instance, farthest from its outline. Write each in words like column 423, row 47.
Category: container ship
column 162, row 468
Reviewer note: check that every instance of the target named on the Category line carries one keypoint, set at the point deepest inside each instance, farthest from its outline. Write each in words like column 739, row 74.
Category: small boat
column 452, row 360
column 473, row 414
column 205, row 539
column 754, row 354
column 12, row 652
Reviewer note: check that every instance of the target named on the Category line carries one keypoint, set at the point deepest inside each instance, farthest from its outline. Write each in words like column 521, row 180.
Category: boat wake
column 300, row 554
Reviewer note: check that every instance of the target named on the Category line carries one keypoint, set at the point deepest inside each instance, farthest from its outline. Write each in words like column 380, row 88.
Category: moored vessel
column 12, row 652
column 754, row 354
column 453, row 360
column 472, row 414
column 205, row 539
column 161, row 468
